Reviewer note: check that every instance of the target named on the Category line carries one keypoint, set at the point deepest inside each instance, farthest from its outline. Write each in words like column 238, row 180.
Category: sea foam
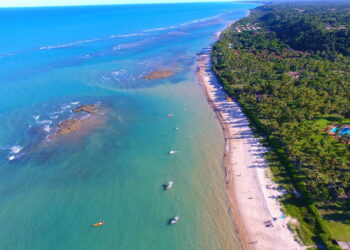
column 44, row 122
column 59, row 46
column 47, row 128
column 15, row 149
column 11, row 157
column 128, row 35
column 118, row 72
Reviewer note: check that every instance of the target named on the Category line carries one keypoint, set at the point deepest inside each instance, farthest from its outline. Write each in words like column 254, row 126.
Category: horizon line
column 109, row 4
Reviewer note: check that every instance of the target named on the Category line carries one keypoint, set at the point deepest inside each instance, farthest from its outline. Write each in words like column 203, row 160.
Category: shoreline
column 251, row 194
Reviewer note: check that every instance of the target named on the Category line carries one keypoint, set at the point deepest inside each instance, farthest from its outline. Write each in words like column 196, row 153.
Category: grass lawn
column 339, row 231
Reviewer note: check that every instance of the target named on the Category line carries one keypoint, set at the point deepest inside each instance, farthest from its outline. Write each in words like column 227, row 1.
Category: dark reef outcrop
column 158, row 74
column 72, row 125
column 86, row 108
column 68, row 126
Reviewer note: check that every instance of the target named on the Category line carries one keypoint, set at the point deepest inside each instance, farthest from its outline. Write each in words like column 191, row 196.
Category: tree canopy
column 289, row 64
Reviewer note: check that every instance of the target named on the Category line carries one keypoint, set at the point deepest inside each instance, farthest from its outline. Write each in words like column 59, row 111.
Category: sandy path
column 251, row 193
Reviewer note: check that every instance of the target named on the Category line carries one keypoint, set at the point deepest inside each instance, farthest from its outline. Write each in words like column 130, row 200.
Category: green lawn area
column 339, row 231
column 337, row 218
column 336, row 213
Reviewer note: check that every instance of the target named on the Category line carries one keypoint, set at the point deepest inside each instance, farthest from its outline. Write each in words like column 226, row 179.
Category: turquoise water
column 53, row 190
column 342, row 131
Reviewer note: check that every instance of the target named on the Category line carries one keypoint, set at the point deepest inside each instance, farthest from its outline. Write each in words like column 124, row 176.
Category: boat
column 98, row 224
column 170, row 185
column 171, row 152
column 174, row 220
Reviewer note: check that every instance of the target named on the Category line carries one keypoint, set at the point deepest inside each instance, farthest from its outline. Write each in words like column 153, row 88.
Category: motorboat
column 170, row 185
column 174, row 220
column 171, row 152
column 98, row 224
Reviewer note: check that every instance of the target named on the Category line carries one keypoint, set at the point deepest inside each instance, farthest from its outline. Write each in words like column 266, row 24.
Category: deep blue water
column 53, row 189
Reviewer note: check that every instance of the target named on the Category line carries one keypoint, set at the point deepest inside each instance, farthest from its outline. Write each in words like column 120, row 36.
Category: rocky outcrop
column 86, row 108
column 71, row 125
column 158, row 74
column 68, row 126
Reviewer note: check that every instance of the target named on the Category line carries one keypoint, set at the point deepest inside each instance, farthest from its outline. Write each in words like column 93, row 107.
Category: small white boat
column 170, row 185
column 174, row 220
column 171, row 152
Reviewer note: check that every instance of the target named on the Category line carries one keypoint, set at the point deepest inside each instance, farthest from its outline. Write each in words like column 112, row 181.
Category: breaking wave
column 14, row 151
column 142, row 33
column 69, row 44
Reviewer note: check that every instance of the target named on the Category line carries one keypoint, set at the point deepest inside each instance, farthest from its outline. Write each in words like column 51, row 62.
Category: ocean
column 53, row 188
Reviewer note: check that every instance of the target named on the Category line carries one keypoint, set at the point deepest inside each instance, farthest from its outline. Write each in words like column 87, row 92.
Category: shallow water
column 52, row 60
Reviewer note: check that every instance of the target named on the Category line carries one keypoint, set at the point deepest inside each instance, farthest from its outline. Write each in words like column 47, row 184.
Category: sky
column 32, row 3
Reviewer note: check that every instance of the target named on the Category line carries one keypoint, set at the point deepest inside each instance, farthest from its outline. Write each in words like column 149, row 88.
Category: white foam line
column 143, row 33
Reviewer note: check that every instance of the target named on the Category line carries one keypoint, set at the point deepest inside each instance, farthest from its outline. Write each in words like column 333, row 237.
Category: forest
column 288, row 65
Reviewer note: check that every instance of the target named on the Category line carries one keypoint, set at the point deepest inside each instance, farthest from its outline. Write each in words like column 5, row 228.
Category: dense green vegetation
column 289, row 67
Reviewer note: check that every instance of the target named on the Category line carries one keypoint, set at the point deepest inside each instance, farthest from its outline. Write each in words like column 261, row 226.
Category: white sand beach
column 252, row 195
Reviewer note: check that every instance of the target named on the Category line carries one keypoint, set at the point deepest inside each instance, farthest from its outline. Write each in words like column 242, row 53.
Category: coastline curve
column 251, row 193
